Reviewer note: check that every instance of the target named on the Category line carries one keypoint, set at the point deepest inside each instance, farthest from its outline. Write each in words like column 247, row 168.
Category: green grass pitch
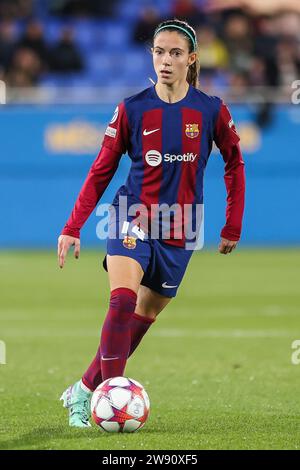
column 216, row 364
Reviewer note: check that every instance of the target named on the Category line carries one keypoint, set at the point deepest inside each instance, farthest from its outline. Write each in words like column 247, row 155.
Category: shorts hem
column 157, row 289
column 104, row 262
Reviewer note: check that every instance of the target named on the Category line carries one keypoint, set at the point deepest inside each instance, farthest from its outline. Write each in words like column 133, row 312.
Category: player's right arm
column 115, row 143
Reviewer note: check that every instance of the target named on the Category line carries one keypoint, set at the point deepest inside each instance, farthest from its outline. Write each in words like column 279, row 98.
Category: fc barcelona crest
column 192, row 130
column 129, row 242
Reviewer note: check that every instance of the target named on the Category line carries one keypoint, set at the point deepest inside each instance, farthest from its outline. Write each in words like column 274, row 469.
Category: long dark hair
column 183, row 28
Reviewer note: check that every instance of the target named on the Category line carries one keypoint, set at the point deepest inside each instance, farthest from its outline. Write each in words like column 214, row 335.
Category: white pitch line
column 173, row 333
column 159, row 333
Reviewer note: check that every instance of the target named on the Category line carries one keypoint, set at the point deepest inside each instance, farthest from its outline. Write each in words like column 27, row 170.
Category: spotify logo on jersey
column 153, row 158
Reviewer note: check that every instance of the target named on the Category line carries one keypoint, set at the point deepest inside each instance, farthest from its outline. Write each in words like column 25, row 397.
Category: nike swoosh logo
column 108, row 358
column 165, row 285
column 150, row 132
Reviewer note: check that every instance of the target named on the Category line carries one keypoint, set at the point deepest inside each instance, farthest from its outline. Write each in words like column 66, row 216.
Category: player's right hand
column 64, row 243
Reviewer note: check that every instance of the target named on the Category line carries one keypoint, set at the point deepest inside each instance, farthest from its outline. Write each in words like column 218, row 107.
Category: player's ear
column 192, row 59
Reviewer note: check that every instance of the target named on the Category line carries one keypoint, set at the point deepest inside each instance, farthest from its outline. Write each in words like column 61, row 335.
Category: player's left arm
column 227, row 140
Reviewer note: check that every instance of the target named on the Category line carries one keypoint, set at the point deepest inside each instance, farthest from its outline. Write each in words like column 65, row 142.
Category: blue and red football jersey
column 169, row 145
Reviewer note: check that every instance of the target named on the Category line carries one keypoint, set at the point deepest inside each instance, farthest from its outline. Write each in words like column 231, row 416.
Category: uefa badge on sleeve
column 115, row 115
column 129, row 242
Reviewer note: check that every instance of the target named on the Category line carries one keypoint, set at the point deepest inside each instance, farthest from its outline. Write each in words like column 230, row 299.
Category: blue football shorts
column 164, row 265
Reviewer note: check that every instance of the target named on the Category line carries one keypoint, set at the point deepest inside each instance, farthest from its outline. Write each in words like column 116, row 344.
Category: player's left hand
column 226, row 246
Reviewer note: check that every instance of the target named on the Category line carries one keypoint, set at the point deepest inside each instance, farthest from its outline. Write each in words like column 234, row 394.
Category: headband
column 177, row 27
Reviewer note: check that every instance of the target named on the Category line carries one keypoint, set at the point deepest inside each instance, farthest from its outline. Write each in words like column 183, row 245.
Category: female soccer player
column 167, row 130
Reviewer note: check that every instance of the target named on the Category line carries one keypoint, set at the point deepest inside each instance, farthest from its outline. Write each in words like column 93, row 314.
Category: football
column 120, row 404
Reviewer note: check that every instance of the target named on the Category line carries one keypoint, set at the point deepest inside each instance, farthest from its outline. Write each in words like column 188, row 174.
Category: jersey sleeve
column 227, row 140
column 116, row 135
column 225, row 133
column 115, row 143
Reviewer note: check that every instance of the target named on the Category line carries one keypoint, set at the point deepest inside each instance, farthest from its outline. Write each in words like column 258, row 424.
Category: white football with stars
column 120, row 404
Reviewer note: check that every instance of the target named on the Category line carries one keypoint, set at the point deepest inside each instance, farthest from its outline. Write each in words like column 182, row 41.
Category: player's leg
column 126, row 261
column 149, row 305
column 133, row 308
column 162, row 276
column 159, row 286
column 160, row 272
column 125, row 275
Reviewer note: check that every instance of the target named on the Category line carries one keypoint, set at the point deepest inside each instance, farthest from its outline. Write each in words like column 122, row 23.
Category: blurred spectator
column 239, row 41
column 288, row 24
column 212, row 51
column 266, row 37
column 239, row 81
column 7, row 43
column 25, row 69
column 288, row 61
column 82, row 8
column 264, row 63
column 65, row 57
column 190, row 11
column 34, row 39
column 144, row 29
column 103, row 8
column 255, row 6
column 15, row 9
column 258, row 75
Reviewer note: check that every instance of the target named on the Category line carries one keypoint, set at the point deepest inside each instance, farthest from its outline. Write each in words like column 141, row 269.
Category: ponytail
column 193, row 74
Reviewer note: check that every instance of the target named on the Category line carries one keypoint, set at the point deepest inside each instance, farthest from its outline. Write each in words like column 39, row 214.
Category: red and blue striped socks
column 122, row 332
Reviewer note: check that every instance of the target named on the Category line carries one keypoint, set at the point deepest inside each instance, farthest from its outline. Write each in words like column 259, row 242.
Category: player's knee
column 122, row 303
column 149, row 313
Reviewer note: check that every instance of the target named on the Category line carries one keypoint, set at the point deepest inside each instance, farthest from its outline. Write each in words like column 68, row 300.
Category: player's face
column 171, row 57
